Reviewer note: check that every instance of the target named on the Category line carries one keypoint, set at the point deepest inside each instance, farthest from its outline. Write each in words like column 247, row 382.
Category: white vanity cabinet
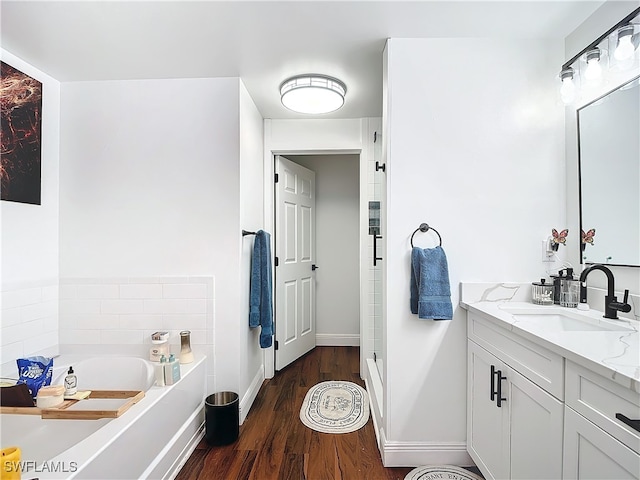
column 598, row 444
column 514, row 426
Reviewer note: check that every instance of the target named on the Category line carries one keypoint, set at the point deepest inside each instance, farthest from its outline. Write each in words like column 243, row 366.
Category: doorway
column 336, row 277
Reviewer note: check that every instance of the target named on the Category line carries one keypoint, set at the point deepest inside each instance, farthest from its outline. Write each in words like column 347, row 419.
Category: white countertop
column 614, row 354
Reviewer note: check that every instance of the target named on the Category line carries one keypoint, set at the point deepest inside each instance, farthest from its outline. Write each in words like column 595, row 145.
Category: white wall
column 29, row 243
column 337, row 247
column 604, row 18
column 252, row 219
column 475, row 149
column 150, row 186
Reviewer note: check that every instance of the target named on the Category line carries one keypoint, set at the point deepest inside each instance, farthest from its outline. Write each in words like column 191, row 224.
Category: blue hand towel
column 261, row 291
column 430, row 290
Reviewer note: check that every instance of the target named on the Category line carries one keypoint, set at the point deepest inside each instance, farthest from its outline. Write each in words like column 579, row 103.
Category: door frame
column 269, row 221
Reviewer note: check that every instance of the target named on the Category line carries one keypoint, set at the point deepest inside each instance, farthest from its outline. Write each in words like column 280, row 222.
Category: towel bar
column 424, row 227
column 246, row 232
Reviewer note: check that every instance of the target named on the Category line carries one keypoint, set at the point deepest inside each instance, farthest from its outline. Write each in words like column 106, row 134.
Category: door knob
column 314, row 267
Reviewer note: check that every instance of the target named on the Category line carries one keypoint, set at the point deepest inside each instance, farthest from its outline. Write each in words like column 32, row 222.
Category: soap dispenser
column 70, row 383
column 569, row 290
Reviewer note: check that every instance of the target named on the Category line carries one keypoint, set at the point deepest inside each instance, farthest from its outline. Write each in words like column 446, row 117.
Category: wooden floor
column 274, row 444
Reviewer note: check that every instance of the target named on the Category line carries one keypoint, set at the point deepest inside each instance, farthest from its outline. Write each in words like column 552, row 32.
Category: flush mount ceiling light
column 313, row 94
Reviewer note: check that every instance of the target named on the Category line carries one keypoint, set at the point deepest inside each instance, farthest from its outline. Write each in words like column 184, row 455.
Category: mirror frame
column 580, row 251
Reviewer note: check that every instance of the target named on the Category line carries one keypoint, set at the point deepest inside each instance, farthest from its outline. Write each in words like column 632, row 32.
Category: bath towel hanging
column 430, row 291
column 261, row 291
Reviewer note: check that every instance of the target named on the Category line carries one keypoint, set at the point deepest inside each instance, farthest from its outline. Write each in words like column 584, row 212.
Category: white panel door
column 295, row 318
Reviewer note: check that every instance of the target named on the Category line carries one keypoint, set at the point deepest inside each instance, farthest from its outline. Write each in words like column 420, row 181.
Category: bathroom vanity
column 553, row 392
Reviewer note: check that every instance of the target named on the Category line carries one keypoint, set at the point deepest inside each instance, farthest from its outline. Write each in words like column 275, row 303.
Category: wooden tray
column 62, row 411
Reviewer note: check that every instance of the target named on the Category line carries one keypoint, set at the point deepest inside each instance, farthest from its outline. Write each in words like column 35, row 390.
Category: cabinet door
column 535, row 421
column 590, row 453
column 487, row 424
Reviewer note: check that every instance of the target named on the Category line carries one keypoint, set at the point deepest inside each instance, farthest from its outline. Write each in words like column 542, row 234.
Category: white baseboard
column 251, row 394
column 337, row 340
column 415, row 454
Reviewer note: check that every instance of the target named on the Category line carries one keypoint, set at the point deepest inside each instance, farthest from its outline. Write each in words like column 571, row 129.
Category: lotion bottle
column 70, row 383
column 159, row 371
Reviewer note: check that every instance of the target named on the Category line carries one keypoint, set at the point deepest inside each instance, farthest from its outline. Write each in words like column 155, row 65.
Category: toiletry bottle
column 70, row 383
column 171, row 370
column 186, row 355
column 159, row 371
column 175, row 367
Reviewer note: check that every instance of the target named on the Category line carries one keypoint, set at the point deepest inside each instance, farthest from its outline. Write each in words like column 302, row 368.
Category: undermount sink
column 555, row 319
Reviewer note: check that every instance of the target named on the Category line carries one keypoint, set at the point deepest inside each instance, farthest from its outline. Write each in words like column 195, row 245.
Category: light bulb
column 625, row 48
column 568, row 90
column 594, row 70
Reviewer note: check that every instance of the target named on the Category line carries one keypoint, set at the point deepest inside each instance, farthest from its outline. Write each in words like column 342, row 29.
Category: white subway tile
column 50, row 324
column 121, row 337
column 77, row 307
column 39, row 310
column 11, row 316
column 79, row 337
column 20, row 332
column 184, row 322
column 122, row 306
column 68, row 291
column 168, row 306
column 19, row 298
column 141, row 322
column 141, row 291
column 97, row 291
column 11, row 352
column 50, row 292
column 40, row 342
column 198, row 337
column 94, row 321
column 172, row 280
column 197, row 306
column 184, row 291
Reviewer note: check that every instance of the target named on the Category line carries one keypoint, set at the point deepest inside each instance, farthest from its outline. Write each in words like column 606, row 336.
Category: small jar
column 186, row 355
column 542, row 293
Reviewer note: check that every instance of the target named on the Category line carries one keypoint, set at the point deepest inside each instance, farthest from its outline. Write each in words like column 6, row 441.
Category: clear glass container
column 542, row 293
column 186, row 355
column 569, row 292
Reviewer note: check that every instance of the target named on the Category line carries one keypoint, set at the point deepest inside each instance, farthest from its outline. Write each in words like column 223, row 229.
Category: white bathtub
column 150, row 440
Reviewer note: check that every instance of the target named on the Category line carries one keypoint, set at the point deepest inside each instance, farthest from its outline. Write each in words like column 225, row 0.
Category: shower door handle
column 375, row 249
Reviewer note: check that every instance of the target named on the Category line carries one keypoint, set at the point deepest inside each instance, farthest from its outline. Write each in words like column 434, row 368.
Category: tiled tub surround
column 29, row 326
column 563, row 390
column 97, row 314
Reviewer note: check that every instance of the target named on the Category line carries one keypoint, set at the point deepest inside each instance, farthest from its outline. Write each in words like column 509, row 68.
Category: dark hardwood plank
column 275, row 444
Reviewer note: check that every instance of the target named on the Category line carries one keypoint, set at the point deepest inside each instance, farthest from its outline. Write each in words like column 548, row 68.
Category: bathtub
column 152, row 439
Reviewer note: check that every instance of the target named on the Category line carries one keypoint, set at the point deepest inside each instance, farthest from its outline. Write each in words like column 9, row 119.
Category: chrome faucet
column 611, row 304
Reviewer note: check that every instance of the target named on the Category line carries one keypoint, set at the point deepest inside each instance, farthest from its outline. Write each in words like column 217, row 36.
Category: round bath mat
column 433, row 472
column 335, row 407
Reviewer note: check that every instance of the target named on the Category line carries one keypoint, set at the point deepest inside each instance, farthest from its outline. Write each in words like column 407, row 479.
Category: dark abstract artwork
column 20, row 136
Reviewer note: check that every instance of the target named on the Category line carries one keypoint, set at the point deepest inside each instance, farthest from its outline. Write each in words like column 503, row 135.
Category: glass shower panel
column 376, row 219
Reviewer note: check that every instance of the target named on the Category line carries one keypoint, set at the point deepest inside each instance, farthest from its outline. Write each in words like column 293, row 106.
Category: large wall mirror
column 609, row 167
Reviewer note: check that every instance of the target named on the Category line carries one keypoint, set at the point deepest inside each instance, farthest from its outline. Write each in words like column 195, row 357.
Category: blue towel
column 261, row 291
column 430, row 290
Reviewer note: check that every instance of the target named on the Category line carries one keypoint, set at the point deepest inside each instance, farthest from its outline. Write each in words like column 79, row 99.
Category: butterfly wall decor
column 559, row 238
column 587, row 237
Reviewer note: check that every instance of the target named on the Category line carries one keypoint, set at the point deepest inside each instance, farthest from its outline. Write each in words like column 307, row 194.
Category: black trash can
column 222, row 418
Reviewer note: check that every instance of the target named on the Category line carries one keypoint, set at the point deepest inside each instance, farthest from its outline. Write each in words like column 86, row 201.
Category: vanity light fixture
column 592, row 63
column 312, row 93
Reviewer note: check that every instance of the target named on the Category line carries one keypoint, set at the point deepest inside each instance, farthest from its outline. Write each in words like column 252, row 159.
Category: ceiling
column 263, row 42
